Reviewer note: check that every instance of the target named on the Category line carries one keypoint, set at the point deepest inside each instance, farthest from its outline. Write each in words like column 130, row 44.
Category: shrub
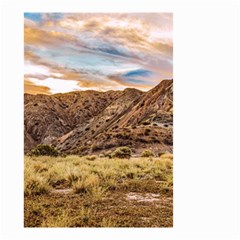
column 161, row 153
column 146, row 123
column 97, row 193
column 86, row 184
column 108, row 154
column 72, row 176
column 118, row 135
column 167, row 155
column 126, row 136
column 142, row 140
column 97, row 147
column 44, row 150
column 101, row 155
column 155, row 140
column 168, row 140
column 147, row 131
column 147, row 153
column 91, row 158
column 110, row 145
column 64, row 155
column 81, row 150
column 35, row 185
column 122, row 152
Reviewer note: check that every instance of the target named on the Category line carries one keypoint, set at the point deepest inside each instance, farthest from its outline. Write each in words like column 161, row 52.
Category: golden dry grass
column 92, row 183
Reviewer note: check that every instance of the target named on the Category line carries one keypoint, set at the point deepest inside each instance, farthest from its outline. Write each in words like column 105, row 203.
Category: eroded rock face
column 90, row 121
column 48, row 117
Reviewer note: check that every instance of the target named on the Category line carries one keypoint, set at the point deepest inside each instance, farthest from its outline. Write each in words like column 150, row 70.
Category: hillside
column 47, row 117
column 91, row 122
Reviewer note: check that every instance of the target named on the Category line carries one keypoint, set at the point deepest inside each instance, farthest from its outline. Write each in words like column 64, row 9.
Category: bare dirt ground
column 119, row 208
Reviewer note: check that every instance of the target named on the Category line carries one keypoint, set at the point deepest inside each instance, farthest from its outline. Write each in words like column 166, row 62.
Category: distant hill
column 88, row 122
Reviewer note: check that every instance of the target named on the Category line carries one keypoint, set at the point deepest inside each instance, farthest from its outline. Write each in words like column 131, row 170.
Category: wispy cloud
column 97, row 51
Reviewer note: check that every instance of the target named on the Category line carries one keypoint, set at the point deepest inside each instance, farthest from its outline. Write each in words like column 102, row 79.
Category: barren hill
column 91, row 122
column 47, row 117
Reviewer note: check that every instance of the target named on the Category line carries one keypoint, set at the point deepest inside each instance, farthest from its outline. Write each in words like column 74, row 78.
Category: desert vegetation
column 147, row 153
column 44, row 150
column 107, row 162
column 111, row 190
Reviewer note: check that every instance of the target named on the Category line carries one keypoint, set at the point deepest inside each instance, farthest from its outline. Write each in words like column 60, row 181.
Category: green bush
column 147, row 153
column 44, row 150
column 122, row 152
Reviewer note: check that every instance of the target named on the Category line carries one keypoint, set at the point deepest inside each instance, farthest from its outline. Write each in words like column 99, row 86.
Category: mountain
column 88, row 122
column 47, row 117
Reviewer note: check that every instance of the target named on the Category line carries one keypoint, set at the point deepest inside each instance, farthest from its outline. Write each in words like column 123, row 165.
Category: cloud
column 30, row 87
column 55, row 85
column 97, row 50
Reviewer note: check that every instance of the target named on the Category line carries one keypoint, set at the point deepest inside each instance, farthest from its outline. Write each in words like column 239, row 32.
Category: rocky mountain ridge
column 89, row 122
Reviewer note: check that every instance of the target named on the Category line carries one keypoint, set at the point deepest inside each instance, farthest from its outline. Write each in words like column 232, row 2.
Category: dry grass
column 94, row 183
column 35, row 182
column 76, row 171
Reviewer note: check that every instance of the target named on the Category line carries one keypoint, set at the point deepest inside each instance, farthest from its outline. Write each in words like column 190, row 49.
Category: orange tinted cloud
column 35, row 36
column 98, row 50
column 31, row 88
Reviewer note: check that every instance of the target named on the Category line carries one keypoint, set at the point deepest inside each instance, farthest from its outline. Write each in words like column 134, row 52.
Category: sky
column 66, row 52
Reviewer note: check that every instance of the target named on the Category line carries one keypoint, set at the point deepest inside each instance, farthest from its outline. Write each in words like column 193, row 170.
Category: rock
column 86, row 122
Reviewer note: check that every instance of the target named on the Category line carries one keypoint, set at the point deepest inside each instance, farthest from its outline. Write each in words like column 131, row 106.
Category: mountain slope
column 158, row 102
column 147, row 124
column 47, row 117
column 92, row 122
column 84, row 135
